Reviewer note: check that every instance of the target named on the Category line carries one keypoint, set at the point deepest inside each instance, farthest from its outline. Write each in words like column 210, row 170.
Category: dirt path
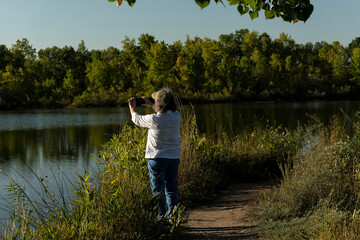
column 230, row 216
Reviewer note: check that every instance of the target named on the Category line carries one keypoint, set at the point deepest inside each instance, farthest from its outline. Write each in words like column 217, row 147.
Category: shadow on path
column 229, row 216
column 236, row 232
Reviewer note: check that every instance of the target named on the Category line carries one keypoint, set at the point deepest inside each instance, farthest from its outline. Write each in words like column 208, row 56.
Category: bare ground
column 232, row 215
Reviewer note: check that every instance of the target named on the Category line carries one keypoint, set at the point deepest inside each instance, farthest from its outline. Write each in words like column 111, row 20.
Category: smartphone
column 141, row 101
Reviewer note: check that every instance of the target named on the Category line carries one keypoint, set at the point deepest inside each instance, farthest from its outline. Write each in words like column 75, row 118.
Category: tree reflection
column 53, row 145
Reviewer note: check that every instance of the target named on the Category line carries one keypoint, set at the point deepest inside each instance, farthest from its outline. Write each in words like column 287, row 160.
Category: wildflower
column 115, row 180
column 253, row 133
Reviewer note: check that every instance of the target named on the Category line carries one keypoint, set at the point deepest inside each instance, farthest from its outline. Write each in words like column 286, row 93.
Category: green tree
column 336, row 67
column 82, row 56
column 160, row 67
column 18, row 74
column 122, row 71
column 24, row 47
column 284, row 62
column 146, row 41
column 232, row 43
column 248, row 80
column 47, row 92
column 190, row 65
column 275, row 71
column 323, row 68
column 5, row 57
column 265, row 45
column 284, row 45
column 70, row 87
column 98, row 74
column 249, row 43
column 22, row 51
column 230, row 68
column 354, row 44
column 12, row 87
column 355, row 66
column 259, row 71
column 135, row 66
column 211, row 54
column 55, row 62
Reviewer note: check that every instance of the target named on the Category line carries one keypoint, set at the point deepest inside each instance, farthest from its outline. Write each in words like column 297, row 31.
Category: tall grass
column 208, row 163
column 318, row 197
column 116, row 203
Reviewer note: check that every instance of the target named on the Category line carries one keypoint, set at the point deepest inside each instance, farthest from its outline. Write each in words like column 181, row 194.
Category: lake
column 47, row 142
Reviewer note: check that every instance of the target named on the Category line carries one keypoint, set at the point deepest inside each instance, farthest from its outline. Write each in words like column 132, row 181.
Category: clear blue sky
column 47, row 23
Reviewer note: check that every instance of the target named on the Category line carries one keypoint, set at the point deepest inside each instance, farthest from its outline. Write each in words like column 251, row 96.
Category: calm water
column 47, row 141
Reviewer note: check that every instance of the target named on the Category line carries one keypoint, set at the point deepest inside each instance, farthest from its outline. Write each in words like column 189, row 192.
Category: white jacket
column 163, row 139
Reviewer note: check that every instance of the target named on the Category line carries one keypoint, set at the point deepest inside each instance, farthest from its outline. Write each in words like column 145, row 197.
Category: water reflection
column 52, row 145
column 47, row 142
column 58, row 118
column 233, row 118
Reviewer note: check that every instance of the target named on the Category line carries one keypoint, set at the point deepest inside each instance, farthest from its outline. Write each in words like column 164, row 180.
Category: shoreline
column 187, row 101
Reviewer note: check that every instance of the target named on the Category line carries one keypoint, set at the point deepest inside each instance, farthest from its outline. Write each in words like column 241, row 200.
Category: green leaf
column 266, row 6
column 269, row 14
column 202, row 3
column 286, row 17
column 303, row 13
column 131, row 2
column 242, row 9
column 217, row 1
column 111, row 0
column 293, row 15
column 252, row 3
column 308, row 11
column 234, row 2
column 253, row 15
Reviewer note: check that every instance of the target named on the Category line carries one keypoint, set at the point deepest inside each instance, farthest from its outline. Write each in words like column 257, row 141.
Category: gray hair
column 164, row 100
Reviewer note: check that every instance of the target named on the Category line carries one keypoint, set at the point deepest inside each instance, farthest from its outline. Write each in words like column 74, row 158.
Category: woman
column 162, row 147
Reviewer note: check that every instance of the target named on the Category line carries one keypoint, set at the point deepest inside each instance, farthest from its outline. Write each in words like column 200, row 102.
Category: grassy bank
column 116, row 203
column 318, row 197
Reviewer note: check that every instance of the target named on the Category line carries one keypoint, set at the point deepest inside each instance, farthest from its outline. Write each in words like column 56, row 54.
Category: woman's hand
column 147, row 103
column 132, row 105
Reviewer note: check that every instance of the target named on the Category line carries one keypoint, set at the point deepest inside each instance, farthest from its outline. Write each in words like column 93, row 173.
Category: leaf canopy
column 289, row 10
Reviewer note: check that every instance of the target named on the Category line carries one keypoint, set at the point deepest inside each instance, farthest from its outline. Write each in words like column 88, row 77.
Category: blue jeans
column 163, row 175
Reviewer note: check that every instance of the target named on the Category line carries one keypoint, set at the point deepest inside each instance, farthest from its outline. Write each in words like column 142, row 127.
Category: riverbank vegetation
column 318, row 197
column 238, row 66
column 116, row 203
column 316, row 167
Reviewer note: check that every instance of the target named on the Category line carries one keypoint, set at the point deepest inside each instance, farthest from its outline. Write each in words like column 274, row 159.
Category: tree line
column 238, row 66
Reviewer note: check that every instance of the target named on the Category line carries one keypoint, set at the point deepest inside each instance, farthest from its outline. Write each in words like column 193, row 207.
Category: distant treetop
column 289, row 10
